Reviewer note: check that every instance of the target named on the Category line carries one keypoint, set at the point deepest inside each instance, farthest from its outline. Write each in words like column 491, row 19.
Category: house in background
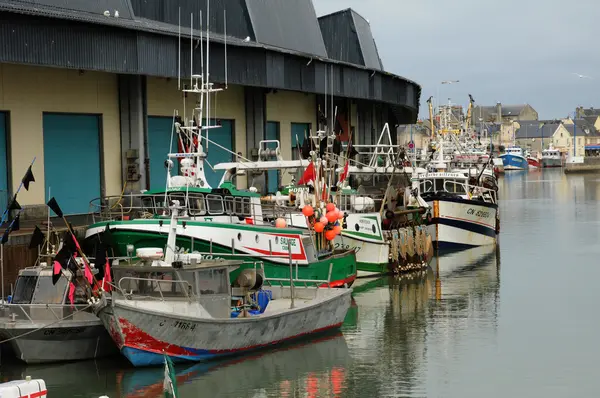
column 537, row 136
column 587, row 130
column 503, row 113
column 584, row 112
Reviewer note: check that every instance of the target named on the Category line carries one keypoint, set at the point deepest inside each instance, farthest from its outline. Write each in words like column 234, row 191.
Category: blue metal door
column 159, row 137
column 272, row 133
column 224, row 137
column 72, row 160
column 3, row 163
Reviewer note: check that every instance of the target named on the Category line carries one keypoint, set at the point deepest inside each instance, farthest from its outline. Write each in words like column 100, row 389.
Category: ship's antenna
column 179, row 53
column 207, row 70
column 201, row 94
column 191, row 50
column 225, row 34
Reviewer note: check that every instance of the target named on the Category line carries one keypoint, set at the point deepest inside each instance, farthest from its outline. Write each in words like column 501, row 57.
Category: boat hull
column 549, row 162
column 71, row 341
column 514, row 162
column 459, row 224
column 143, row 336
column 251, row 245
column 372, row 245
column 534, row 163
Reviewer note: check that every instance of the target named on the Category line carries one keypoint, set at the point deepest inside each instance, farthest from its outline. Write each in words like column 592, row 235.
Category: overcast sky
column 512, row 51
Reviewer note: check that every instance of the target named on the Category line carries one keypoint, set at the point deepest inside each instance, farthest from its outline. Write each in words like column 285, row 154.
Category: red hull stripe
column 35, row 394
column 295, row 256
column 138, row 339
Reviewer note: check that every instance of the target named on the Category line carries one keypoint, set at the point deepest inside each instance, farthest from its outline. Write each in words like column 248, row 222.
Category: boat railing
column 131, row 205
column 488, row 195
column 36, row 313
column 185, row 286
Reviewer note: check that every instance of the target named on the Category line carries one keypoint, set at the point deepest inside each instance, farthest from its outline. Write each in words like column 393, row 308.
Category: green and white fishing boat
column 219, row 223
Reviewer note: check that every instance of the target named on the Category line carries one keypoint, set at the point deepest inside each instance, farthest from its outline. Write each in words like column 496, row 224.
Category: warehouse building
column 89, row 88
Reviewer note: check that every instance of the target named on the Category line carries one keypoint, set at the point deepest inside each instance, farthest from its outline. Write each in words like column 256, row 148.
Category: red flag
column 106, row 282
column 309, row 175
column 344, row 173
column 72, row 293
column 56, row 272
column 88, row 273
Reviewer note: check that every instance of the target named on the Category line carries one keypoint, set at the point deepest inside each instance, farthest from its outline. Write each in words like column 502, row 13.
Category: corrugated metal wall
column 290, row 24
column 238, row 20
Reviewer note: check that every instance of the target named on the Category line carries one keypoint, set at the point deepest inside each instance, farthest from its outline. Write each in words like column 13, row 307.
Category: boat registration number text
column 182, row 325
column 62, row 331
column 347, row 247
column 478, row 213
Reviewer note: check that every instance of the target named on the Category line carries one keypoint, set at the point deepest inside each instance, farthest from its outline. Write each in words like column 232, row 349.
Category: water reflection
column 405, row 324
column 396, row 341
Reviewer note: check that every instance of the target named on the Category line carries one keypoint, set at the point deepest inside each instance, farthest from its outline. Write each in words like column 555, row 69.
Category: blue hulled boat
column 513, row 159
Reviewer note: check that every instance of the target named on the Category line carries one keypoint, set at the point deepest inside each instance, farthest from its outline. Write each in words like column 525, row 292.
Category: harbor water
column 517, row 321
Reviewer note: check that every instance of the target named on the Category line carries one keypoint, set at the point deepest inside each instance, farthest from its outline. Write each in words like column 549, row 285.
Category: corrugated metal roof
column 367, row 42
column 340, row 37
column 348, row 38
column 168, row 11
column 97, row 7
column 290, row 24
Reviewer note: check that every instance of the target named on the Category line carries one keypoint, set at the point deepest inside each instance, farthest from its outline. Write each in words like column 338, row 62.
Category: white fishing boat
column 184, row 306
column 551, row 157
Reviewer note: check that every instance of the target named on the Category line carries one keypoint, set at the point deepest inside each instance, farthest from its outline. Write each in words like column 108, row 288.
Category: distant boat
column 551, row 158
column 533, row 161
column 513, row 159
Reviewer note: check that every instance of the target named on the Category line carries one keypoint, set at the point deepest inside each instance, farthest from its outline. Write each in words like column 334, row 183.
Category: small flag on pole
column 37, row 239
column 170, row 382
column 28, row 178
column 53, row 205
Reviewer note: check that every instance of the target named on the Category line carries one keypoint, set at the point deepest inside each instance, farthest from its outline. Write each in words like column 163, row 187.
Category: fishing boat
column 464, row 215
column 185, row 307
column 513, row 159
column 533, row 162
column 44, row 327
column 36, row 322
column 380, row 220
column 551, row 157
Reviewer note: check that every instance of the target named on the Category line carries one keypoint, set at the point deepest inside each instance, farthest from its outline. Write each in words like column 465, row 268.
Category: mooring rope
column 45, row 326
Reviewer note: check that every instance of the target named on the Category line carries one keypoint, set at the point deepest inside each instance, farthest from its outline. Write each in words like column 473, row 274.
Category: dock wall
column 589, row 165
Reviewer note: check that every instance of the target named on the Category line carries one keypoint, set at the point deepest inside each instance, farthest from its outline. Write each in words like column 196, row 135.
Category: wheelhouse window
column 229, row 205
column 47, row 293
column 242, row 206
column 212, row 281
column 196, row 203
column 214, row 204
column 24, row 289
